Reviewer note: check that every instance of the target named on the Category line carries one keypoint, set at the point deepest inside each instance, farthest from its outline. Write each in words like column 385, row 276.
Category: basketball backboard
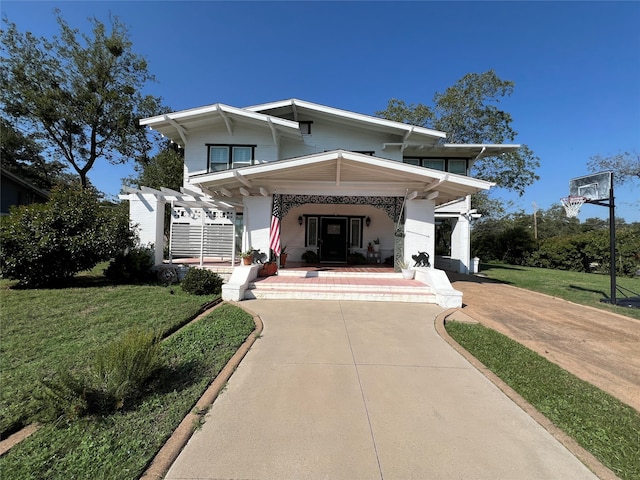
column 594, row 187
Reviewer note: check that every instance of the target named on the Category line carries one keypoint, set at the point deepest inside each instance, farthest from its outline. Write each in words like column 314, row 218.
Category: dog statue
column 259, row 257
column 422, row 259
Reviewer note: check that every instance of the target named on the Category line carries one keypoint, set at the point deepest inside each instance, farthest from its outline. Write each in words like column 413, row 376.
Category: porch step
column 327, row 285
column 329, row 273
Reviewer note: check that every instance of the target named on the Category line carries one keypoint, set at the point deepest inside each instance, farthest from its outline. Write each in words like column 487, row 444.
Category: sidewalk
column 360, row 390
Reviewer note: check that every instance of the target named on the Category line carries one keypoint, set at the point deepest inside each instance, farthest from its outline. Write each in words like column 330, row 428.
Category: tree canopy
column 468, row 112
column 165, row 169
column 79, row 94
column 625, row 166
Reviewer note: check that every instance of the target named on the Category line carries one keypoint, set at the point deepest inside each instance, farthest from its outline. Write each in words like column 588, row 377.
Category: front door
column 333, row 239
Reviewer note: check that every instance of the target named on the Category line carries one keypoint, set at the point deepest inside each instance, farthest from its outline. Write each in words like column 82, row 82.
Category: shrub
column 114, row 379
column 356, row 258
column 134, row 265
column 515, row 244
column 199, row 281
column 43, row 244
column 310, row 256
column 578, row 252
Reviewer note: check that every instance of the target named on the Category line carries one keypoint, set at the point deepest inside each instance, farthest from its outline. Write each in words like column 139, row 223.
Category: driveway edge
column 588, row 459
column 163, row 460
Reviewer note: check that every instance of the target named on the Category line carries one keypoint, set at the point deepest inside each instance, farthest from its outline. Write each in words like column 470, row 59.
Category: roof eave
column 435, row 178
column 403, row 127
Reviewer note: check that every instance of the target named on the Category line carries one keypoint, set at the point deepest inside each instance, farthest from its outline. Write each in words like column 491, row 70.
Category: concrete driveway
column 364, row 390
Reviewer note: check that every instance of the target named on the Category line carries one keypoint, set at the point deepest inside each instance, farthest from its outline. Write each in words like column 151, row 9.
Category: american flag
column 274, row 230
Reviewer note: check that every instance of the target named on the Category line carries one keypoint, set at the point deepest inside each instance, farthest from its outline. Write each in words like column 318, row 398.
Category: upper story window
column 305, row 127
column 225, row 157
column 452, row 165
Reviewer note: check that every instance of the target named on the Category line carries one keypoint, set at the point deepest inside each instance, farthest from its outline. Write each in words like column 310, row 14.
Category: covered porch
column 333, row 209
column 341, row 205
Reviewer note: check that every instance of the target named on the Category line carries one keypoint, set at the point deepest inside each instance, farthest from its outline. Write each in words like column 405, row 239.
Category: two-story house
column 342, row 180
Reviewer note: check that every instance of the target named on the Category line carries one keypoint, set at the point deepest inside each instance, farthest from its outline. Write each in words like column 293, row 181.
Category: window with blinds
column 224, row 157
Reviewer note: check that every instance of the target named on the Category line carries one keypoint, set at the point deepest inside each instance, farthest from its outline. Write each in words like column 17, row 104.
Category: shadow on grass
column 499, row 266
column 478, row 278
column 82, row 281
column 582, row 289
column 177, row 377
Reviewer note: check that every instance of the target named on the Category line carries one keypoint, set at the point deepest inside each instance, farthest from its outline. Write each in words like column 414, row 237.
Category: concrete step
column 341, row 286
column 331, row 273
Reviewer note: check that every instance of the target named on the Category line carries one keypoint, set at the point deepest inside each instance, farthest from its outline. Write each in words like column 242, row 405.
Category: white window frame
column 312, row 232
column 355, row 232
column 231, row 152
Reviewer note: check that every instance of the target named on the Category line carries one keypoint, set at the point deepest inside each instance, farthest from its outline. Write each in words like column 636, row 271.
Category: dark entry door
column 333, row 237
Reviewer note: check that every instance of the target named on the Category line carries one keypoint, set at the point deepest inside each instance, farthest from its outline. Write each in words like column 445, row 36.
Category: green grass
column 46, row 329
column 603, row 425
column 577, row 287
column 120, row 446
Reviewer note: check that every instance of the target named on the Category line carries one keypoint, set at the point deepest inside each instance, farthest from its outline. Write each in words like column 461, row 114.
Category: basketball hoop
column 572, row 205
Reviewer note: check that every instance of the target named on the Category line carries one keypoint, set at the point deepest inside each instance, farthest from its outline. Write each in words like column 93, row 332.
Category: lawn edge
column 165, row 457
column 555, row 297
column 587, row 458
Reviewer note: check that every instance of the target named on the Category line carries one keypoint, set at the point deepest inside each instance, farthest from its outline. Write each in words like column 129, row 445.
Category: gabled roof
column 337, row 172
column 413, row 140
column 177, row 125
column 295, row 107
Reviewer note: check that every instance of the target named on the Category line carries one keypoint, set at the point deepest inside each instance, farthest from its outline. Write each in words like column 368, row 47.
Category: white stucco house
column 342, row 180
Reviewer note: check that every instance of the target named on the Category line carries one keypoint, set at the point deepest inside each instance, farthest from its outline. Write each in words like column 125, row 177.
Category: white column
column 257, row 220
column 419, row 229
column 146, row 214
column 461, row 244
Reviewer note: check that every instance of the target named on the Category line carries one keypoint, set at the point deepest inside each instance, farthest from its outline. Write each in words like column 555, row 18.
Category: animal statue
column 259, row 257
column 422, row 259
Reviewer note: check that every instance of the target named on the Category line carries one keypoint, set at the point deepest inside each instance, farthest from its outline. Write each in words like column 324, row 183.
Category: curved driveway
column 364, row 390
column 597, row 346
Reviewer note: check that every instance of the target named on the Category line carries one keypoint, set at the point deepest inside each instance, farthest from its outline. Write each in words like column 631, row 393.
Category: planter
column 247, row 260
column 408, row 273
column 376, row 247
column 283, row 259
column 268, row 269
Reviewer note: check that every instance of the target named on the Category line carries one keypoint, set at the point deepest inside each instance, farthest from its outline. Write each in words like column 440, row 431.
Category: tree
column 625, row 166
column 79, row 94
column 467, row 112
column 45, row 244
column 166, row 169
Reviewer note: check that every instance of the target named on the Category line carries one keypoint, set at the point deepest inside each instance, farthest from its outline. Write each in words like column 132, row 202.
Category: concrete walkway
column 360, row 390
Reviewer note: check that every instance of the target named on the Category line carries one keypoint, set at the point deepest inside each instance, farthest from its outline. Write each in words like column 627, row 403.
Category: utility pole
column 535, row 220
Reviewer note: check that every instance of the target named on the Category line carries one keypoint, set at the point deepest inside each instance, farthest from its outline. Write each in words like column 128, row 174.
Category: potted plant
column 247, row 257
column 310, row 257
column 268, row 269
column 283, row 256
column 376, row 245
column 407, row 272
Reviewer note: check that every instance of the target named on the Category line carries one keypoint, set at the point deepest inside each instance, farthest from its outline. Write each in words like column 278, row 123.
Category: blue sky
column 576, row 66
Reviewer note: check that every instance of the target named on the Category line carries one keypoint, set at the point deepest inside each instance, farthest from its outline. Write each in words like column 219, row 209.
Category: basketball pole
column 612, row 242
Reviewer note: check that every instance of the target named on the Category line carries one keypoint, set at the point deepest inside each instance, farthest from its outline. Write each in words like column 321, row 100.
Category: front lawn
column 603, row 425
column 121, row 445
column 46, row 329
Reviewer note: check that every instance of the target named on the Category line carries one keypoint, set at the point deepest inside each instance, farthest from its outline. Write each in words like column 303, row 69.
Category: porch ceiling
column 339, row 172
